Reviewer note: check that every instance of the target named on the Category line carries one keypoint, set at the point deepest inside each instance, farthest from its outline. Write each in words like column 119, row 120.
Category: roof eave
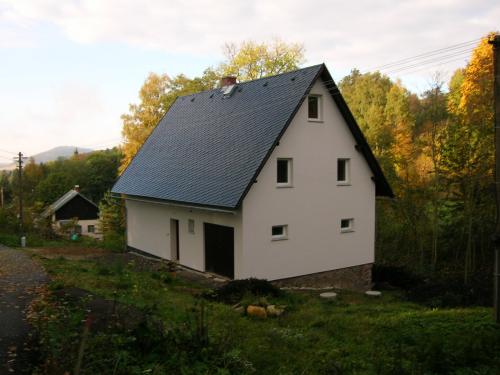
column 198, row 206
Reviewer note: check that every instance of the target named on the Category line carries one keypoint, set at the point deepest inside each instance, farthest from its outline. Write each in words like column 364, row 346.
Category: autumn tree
column 468, row 157
column 251, row 60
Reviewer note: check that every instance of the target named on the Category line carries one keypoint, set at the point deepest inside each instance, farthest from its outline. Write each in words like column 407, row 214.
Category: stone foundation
column 357, row 278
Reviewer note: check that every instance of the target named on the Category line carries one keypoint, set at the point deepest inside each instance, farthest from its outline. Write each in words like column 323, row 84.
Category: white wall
column 85, row 225
column 148, row 229
column 314, row 206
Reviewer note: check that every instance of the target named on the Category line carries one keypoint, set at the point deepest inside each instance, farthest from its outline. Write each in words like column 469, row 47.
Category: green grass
column 354, row 334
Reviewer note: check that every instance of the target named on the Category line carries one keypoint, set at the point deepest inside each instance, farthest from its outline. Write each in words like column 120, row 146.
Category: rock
column 257, row 311
column 274, row 311
column 239, row 309
column 373, row 293
column 328, row 295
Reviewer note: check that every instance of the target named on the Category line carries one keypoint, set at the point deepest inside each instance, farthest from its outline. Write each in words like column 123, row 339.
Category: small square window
column 346, row 225
column 343, row 171
column 279, row 232
column 91, row 229
column 191, row 226
column 284, row 172
column 314, row 107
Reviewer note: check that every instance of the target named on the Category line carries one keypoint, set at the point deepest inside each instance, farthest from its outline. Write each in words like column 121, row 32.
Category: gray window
column 343, row 170
column 279, row 232
column 91, row 229
column 284, row 172
column 191, row 226
column 347, row 225
column 314, row 107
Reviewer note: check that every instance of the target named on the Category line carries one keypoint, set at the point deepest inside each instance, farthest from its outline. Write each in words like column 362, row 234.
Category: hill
column 50, row 155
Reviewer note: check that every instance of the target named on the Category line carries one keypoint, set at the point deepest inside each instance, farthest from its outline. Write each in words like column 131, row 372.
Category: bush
column 399, row 277
column 113, row 241
column 11, row 240
column 235, row 290
column 447, row 290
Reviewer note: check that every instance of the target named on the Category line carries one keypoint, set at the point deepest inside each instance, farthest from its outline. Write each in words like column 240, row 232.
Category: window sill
column 315, row 120
column 284, row 186
column 346, row 230
column 279, row 238
column 343, row 183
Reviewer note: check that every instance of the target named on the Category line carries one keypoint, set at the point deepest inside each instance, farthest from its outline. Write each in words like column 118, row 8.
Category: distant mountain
column 51, row 155
column 58, row 152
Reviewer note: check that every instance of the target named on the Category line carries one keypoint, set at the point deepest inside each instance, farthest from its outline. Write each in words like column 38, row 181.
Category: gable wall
column 148, row 230
column 77, row 207
column 314, row 206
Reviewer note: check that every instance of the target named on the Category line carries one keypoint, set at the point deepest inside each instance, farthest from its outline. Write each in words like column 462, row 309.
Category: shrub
column 235, row 290
column 113, row 241
column 399, row 277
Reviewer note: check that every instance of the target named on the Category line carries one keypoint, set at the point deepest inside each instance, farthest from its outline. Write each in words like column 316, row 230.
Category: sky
column 69, row 69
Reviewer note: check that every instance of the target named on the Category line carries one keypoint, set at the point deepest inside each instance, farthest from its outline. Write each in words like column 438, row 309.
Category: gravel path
column 19, row 277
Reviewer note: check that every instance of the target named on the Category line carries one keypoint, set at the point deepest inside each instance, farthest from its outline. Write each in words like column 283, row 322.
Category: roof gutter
column 174, row 204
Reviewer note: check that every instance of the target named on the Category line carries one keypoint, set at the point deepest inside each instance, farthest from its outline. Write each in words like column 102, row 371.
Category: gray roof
column 62, row 201
column 208, row 149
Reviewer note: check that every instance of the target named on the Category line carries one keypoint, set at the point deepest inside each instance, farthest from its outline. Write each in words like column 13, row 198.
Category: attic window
column 284, row 172
column 343, row 172
column 314, row 107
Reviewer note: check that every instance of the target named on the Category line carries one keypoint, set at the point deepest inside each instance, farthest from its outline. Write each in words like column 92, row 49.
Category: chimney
column 227, row 81
column 77, row 188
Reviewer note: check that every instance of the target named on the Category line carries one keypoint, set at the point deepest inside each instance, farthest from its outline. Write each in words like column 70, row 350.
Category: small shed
column 73, row 206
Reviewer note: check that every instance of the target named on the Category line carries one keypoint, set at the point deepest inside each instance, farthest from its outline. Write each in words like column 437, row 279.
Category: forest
column 435, row 147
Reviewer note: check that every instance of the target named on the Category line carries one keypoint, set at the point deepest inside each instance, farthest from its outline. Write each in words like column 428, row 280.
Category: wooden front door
column 219, row 249
column 174, row 240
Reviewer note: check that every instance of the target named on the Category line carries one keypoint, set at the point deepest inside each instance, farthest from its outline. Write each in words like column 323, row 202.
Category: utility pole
column 495, row 41
column 20, row 160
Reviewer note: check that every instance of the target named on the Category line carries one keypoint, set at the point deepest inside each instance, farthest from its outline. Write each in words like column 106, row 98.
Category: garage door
column 219, row 249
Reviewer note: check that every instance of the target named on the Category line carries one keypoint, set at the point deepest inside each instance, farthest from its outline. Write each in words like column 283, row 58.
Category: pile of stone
column 262, row 312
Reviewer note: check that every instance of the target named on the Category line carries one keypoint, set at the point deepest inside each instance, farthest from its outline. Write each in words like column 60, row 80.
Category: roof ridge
column 253, row 80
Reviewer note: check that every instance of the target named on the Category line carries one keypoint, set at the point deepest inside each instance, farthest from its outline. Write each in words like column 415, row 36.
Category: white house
column 75, row 208
column 270, row 178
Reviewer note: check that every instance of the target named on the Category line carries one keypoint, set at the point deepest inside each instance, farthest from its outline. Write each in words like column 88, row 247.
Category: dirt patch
column 70, row 253
column 103, row 312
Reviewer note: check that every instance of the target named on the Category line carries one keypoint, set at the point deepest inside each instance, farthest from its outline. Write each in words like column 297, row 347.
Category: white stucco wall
column 85, row 225
column 148, row 229
column 314, row 206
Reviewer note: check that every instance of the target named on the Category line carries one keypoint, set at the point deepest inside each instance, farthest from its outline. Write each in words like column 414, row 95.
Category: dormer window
column 314, row 107
column 284, row 172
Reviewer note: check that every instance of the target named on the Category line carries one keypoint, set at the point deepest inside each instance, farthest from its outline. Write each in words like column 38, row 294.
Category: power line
column 426, row 54
column 431, row 61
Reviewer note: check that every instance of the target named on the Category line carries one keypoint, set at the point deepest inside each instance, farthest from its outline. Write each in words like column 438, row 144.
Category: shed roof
column 62, row 201
column 209, row 148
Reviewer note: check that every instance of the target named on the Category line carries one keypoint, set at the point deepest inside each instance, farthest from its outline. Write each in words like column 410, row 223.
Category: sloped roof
column 209, row 148
column 62, row 201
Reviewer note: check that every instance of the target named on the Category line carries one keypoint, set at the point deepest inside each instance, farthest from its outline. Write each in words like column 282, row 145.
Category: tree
column 468, row 155
column 101, row 172
column 251, row 60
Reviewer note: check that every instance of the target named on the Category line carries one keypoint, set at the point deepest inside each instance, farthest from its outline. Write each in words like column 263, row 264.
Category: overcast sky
column 70, row 68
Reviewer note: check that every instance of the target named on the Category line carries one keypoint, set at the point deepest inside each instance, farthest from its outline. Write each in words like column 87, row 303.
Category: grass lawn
column 353, row 334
